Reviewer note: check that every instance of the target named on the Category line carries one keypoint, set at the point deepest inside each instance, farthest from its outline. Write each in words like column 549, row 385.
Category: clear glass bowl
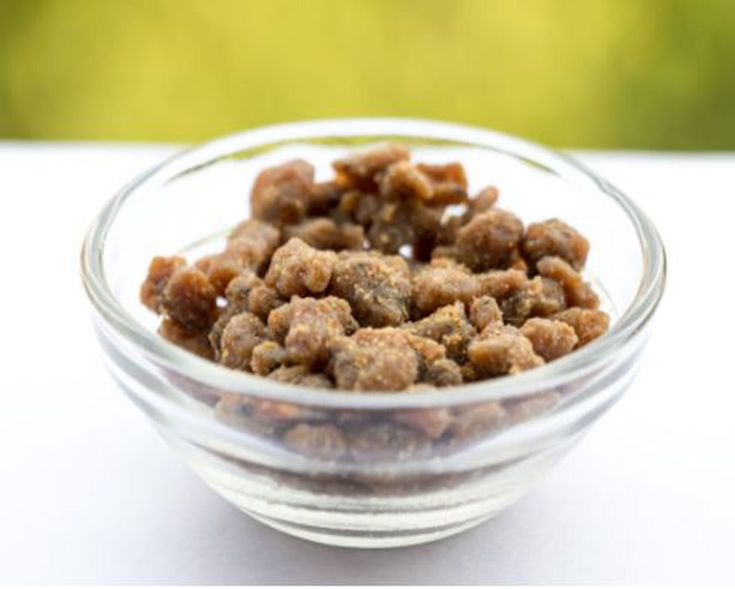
column 397, row 490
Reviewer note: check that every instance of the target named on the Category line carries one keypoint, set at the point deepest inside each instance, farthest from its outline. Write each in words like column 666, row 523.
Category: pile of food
column 389, row 277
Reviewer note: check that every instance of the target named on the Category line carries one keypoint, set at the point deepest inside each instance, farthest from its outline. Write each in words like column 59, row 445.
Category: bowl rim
column 631, row 322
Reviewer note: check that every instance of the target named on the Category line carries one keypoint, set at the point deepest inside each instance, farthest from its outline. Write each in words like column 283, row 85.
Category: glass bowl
column 395, row 486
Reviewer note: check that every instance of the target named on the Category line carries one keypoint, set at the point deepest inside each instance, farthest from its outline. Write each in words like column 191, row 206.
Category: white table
column 90, row 493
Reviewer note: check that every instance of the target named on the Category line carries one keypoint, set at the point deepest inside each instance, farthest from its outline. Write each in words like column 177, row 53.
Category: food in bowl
column 388, row 277
column 358, row 467
column 370, row 282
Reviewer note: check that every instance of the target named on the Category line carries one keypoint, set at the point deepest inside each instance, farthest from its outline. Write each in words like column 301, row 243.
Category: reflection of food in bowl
column 368, row 469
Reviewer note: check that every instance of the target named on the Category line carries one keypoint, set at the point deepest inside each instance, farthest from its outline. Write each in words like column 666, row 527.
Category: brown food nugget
column 281, row 319
column 160, row 271
column 577, row 292
column 387, row 441
column 361, row 169
column 434, row 287
column 443, row 373
column 448, row 326
column 324, row 196
column 252, row 243
column 326, row 442
column 262, row 300
column 540, row 297
column 434, row 367
column 300, row 375
column 299, row 269
column 500, row 284
column 195, row 342
column 449, row 182
column 483, row 201
column 427, row 349
column 555, row 238
column 404, row 180
column 502, row 350
column 550, row 339
column 431, row 422
column 517, row 262
column 323, row 233
column 484, row 310
column 220, row 269
column 267, row 357
column 588, row 324
column 472, row 421
column 190, row 299
column 377, row 287
column 489, row 239
column 311, row 325
column 239, row 288
column 218, row 327
column 281, row 194
column 392, row 227
column 241, row 334
column 374, row 360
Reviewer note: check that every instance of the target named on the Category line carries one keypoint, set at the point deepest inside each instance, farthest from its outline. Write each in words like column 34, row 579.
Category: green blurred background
column 644, row 74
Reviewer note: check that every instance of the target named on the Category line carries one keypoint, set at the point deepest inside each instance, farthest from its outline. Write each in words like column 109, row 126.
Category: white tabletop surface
column 90, row 493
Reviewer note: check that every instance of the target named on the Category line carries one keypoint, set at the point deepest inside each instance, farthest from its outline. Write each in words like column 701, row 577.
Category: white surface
column 90, row 493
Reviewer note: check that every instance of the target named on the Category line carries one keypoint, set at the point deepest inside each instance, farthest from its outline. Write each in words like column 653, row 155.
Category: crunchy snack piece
column 324, row 234
column 435, row 286
column 471, row 421
column 450, row 327
column 299, row 269
column 300, row 375
column 262, row 300
column 431, row 422
column 323, row 441
column 427, row 349
column 500, row 284
column 361, row 169
column 189, row 299
column 550, row 339
column 239, row 288
column 308, row 325
column 241, row 334
column 281, row 194
column 387, row 441
column 377, row 288
column 449, row 182
column 434, row 367
column 578, row 293
column 588, row 324
column 374, row 359
column 324, row 197
column 484, row 310
column 220, row 269
column 539, row 297
column 489, row 239
column 483, row 201
column 396, row 223
column 555, row 238
column 267, row 357
column 196, row 342
column 502, row 350
column 160, row 271
column 404, row 180
column 252, row 243
column 443, row 373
